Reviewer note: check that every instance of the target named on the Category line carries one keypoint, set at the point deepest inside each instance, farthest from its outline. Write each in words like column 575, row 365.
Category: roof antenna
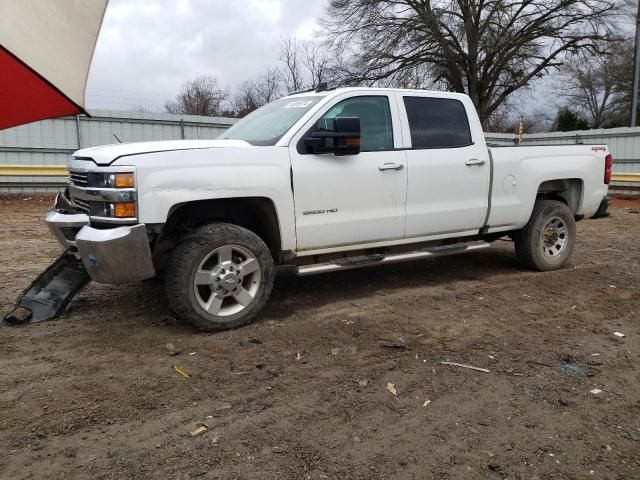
column 116, row 137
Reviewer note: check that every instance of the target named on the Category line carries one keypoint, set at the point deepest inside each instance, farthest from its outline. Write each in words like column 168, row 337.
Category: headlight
column 106, row 196
column 109, row 180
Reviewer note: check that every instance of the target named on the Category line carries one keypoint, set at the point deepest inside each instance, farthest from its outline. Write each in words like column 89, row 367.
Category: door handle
column 475, row 162
column 390, row 166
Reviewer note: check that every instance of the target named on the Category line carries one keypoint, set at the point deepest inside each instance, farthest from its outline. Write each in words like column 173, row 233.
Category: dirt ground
column 302, row 393
column 628, row 201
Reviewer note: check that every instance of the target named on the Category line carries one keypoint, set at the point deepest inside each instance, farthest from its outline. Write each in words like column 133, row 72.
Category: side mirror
column 340, row 136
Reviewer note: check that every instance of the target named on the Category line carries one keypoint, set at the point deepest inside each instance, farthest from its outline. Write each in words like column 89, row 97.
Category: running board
column 379, row 259
column 51, row 292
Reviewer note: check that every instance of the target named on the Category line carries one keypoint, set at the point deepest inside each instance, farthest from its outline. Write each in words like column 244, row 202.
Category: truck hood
column 107, row 154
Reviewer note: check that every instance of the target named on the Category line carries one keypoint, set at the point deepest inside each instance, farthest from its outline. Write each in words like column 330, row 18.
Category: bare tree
column 317, row 63
column 488, row 49
column 255, row 93
column 597, row 85
column 290, row 56
column 269, row 85
column 507, row 120
column 201, row 96
column 590, row 89
column 244, row 101
column 306, row 64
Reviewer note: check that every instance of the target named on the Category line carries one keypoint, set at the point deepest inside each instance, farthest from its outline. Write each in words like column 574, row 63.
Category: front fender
column 167, row 179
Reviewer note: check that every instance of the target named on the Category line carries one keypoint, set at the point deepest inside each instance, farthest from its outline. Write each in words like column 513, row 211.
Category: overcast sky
column 148, row 48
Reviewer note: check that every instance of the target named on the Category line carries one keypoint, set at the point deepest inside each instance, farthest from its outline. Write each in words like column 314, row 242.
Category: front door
column 350, row 200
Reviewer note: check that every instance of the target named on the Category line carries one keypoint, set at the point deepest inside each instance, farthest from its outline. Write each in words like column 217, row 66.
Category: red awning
column 27, row 97
column 46, row 47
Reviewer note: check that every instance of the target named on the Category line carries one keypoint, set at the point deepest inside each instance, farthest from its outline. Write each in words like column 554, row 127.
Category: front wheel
column 219, row 277
column 547, row 241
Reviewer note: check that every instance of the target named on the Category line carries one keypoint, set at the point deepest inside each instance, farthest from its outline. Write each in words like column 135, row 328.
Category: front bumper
column 114, row 256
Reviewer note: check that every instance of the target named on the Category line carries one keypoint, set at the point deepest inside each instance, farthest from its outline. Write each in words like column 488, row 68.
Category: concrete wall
column 50, row 142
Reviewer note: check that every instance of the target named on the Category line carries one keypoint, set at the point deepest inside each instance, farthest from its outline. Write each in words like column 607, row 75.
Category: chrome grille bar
column 79, row 178
column 84, row 206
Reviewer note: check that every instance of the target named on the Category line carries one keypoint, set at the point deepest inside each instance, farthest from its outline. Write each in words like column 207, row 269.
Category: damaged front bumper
column 115, row 256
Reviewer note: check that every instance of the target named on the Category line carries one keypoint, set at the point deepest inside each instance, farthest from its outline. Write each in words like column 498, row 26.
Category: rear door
column 349, row 200
column 449, row 167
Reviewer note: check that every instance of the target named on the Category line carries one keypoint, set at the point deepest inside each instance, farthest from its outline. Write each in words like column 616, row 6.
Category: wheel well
column 257, row 214
column 568, row 191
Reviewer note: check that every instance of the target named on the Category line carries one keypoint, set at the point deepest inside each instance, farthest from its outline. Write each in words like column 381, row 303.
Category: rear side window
column 437, row 122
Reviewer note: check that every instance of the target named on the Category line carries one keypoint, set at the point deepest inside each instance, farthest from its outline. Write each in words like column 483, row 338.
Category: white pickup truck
column 319, row 181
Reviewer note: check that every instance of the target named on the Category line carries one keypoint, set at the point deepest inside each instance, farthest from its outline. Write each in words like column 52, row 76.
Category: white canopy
column 46, row 48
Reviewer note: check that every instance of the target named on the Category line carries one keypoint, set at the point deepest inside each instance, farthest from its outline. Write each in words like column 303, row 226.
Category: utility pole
column 636, row 71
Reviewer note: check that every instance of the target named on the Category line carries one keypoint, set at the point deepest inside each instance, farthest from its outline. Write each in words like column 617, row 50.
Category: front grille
column 84, row 206
column 78, row 178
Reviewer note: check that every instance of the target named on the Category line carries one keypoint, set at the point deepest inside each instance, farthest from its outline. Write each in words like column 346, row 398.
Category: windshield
column 268, row 124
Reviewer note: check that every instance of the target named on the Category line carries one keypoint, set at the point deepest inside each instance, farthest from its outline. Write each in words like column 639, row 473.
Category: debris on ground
column 203, row 428
column 392, row 388
column 181, row 372
column 426, row 403
column 608, row 292
column 173, row 351
column 398, row 343
column 363, row 383
column 494, row 467
column 571, row 368
column 619, row 334
column 344, row 351
column 596, row 391
column 462, row 365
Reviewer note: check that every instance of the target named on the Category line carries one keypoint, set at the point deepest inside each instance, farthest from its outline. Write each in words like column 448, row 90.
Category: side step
column 378, row 259
column 51, row 292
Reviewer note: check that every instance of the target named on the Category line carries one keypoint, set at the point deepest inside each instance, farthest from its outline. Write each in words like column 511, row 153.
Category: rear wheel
column 219, row 277
column 547, row 241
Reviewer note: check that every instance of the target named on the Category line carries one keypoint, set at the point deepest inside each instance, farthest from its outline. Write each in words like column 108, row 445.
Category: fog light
column 123, row 180
column 124, row 210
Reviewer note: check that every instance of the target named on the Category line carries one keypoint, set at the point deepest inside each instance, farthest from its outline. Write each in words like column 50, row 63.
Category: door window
column 375, row 121
column 437, row 122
